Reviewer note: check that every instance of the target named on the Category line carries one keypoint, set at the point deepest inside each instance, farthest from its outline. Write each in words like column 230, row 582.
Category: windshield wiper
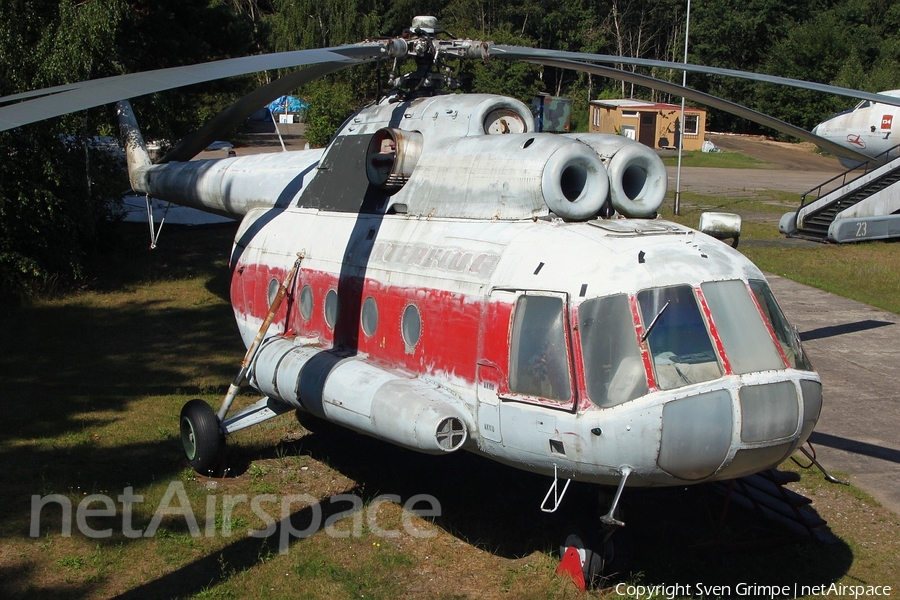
column 654, row 321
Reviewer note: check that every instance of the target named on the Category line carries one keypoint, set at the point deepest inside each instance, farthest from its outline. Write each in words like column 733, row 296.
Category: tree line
column 55, row 184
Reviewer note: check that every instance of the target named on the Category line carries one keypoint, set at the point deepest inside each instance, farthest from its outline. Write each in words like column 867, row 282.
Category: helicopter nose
column 762, row 422
column 696, row 435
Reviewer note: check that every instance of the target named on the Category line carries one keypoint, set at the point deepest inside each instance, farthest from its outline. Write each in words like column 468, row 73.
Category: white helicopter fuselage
column 467, row 280
column 869, row 128
column 456, row 289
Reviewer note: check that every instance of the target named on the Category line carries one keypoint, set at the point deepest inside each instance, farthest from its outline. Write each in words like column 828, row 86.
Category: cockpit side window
column 613, row 369
column 784, row 333
column 863, row 104
column 680, row 346
column 538, row 353
column 748, row 344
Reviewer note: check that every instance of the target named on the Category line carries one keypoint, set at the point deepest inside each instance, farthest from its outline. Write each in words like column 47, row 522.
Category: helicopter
column 445, row 278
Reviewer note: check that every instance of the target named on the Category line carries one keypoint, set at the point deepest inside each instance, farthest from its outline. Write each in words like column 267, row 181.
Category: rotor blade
column 538, row 54
column 235, row 114
column 702, row 98
column 96, row 92
column 42, row 92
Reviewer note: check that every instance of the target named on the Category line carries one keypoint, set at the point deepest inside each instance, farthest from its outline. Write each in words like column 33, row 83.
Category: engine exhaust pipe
column 637, row 176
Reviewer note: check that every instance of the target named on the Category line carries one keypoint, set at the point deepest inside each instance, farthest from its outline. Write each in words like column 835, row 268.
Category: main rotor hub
column 420, row 43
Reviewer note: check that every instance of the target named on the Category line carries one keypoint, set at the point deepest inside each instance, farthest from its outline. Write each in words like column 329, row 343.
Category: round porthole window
column 331, row 308
column 411, row 325
column 369, row 316
column 306, row 303
column 272, row 291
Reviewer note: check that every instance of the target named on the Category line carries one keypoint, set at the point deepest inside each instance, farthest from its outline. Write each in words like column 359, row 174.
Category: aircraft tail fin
column 136, row 153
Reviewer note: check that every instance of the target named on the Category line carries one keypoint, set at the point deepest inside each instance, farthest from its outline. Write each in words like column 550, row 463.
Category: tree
column 852, row 44
column 55, row 181
column 330, row 103
column 738, row 36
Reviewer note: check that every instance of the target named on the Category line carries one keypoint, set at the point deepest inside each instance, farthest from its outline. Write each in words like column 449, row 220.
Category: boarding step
column 815, row 226
column 765, row 493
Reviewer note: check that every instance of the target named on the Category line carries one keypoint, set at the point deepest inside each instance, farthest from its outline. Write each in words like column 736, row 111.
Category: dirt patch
column 799, row 156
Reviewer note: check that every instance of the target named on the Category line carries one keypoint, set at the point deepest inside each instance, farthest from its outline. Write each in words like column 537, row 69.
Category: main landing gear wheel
column 200, row 435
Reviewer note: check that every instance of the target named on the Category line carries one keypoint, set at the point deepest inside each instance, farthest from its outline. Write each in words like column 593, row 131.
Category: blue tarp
column 294, row 105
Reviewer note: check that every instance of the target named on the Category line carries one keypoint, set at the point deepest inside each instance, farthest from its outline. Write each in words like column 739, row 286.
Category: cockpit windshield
column 678, row 339
column 680, row 347
column 787, row 337
column 748, row 344
column 613, row 370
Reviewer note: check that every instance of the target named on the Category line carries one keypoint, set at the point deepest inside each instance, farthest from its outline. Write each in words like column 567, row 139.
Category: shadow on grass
column 70, row 368
column 182, row 252
column 63, row 365
column 676, row 531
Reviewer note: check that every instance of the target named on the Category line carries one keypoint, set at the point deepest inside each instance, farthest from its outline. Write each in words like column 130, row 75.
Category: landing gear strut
column 602, row 553
column 200, row 435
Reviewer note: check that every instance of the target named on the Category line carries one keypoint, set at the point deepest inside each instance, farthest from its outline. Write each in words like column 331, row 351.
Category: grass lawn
column 94, row 383
column 721, row 160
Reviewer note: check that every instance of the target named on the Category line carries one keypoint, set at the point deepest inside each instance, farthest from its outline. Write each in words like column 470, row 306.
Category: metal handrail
column 869, row 165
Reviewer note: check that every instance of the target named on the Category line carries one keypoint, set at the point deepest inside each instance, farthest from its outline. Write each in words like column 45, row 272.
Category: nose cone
column 825, row 128
column 771, row 419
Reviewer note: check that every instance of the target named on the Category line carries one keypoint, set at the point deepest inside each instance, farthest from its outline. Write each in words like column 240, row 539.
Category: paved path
column 856, row 350
column 745, row 182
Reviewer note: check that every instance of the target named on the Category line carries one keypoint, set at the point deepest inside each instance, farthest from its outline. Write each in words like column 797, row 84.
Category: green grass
column 93, row 384
column 721, row 160
column 869, row 273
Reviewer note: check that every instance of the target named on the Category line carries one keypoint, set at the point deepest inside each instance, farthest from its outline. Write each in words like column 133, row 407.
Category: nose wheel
column 603, row 555
column 200, row 435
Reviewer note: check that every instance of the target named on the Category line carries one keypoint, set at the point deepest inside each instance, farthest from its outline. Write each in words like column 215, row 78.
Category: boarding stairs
column 863, row 203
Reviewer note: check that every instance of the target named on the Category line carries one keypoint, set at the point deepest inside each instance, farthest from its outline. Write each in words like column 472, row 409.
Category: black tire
column 200, row 435
column 592, row 558
column 603, row 558
column 618, row 549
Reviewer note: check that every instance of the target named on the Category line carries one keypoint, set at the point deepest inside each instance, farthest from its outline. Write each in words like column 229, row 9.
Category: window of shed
column 538, row 356
column 691, row 124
